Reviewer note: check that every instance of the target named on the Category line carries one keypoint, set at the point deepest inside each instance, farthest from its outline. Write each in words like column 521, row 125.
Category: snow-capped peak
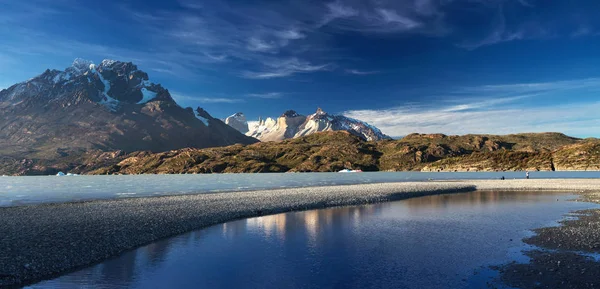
column 292, row 125
column 238, row 121
column 111, row 83
column 290, row 113
column 79, row 66
column 81, row 63
column 108, row 62
column 238, row 115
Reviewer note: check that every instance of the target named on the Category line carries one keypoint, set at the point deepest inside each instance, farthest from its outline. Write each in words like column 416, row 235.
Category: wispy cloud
column 577, row 119
column 255, row 44
column 203, row 99
column 337, row 10
column 484, row 104
column 536, row 87
column 283, row 68
column 382, row 17
column 392, row 17
column 244, row 40
column 497, row 115
column 362, row 72
column 268, row 95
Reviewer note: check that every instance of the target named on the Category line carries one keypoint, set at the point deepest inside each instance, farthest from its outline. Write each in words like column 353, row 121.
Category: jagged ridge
column 110, row 106
column 292, row 125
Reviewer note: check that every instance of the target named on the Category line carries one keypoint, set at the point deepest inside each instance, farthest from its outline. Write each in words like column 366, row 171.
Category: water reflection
column 428, row 242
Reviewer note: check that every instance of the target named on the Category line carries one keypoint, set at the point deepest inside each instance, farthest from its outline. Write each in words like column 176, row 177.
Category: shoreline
column 564, row 256
column 48, row 240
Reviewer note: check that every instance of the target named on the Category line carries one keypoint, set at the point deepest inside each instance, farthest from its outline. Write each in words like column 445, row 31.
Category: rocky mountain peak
column 238, row 121
column 293, row 125
column 112, row 84
column 290, row 113
column 109, row 106
column 203, row 113
column 80, row 66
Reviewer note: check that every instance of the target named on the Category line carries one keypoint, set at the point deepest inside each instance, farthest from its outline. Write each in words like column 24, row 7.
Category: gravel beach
column 43, row 241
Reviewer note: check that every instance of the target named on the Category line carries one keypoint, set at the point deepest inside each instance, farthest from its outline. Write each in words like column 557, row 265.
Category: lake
column 442, row 241
column 46, row 189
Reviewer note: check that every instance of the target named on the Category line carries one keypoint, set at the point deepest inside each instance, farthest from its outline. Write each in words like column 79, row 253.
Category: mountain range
column 111, row 119
column 106, row 107
column 293, row 125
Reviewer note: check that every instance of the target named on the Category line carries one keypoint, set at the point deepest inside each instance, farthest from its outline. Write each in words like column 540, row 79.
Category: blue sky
column 450, row 66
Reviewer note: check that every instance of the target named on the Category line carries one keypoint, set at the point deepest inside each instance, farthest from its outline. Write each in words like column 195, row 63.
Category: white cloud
column 203, row 99
column 339, row 10
column 391, row 16
column 290, row 35
column 361, row 72
column 536, row 87
column 255, row 44
column 287, row 67
column 580, row 119
column 477, row 104
column 495, row 109
column 268, row 95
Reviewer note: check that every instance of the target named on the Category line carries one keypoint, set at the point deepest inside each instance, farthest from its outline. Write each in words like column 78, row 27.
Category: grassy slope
column 332, row 151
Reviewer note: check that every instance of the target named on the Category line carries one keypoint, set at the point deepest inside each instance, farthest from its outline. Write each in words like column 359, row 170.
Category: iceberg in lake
column 60, row 174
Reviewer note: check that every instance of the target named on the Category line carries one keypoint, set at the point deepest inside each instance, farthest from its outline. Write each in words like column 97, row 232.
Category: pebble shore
column 43, row 241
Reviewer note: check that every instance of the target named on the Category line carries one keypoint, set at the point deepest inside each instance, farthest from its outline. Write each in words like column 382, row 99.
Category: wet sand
column 567, row 256
column 43, row 241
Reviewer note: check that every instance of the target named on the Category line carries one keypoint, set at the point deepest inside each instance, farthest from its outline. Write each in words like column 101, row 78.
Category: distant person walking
column 527, row 174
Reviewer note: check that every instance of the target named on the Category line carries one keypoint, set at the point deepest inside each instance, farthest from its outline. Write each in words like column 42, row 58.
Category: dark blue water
column 32, row 190
column 445, row 241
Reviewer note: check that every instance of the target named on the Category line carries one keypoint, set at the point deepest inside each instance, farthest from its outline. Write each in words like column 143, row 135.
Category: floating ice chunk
column 60, row 174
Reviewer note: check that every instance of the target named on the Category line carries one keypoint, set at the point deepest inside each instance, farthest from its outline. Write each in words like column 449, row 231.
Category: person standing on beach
column 527, row 174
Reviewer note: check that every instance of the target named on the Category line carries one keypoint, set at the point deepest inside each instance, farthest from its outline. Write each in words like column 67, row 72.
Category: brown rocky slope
column 333, row 151
column 54, row 120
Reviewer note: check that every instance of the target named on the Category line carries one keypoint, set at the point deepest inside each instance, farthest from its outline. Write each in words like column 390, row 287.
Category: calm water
column 27, row 190
column 444, row 241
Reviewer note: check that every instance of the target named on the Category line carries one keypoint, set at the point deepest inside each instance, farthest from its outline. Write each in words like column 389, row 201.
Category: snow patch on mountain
column 238, row 121
column 111, row 103
column 79, row 67
column 203, row 119
column 108, row 62
column 147, row 95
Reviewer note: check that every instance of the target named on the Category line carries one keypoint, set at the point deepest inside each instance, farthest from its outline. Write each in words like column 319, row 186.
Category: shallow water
column 32, row 190
column 444, row 241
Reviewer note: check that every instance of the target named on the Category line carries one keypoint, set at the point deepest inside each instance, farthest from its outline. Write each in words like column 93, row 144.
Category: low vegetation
column 333, row 151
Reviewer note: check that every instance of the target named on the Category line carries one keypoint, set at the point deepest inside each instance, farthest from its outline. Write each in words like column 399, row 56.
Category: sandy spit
column 44, row 241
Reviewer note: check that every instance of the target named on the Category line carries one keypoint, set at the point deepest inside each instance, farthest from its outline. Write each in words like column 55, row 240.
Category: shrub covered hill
column 333, row 151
